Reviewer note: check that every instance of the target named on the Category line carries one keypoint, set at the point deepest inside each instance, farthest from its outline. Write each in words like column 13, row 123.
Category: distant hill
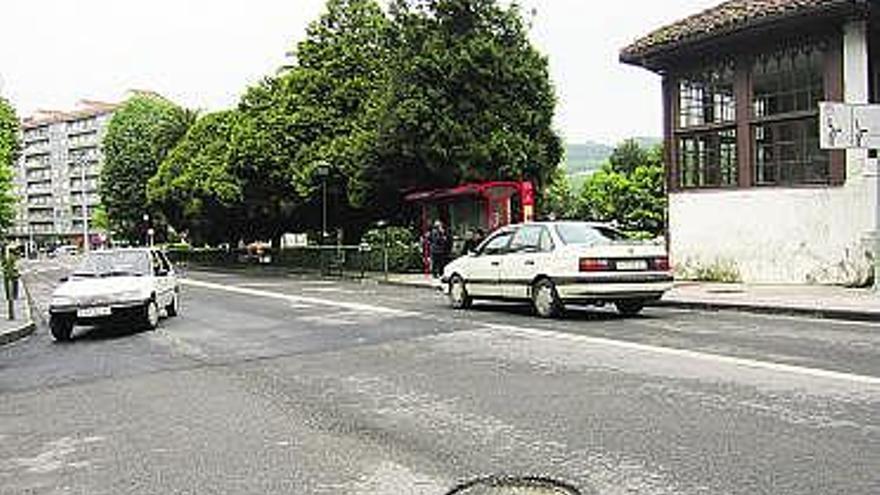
column 586, row 158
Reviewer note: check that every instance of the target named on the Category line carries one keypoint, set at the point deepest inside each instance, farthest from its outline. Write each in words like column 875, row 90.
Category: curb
column 26, row 328
column 815, row 313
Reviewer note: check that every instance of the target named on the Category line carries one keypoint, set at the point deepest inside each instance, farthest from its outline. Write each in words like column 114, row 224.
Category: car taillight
column 594, row 265
column 660, row 264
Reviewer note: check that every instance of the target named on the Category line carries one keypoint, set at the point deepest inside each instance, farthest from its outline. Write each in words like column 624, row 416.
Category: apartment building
column 58, row 172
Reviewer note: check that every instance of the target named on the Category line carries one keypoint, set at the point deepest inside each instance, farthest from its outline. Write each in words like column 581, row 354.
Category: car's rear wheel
column 458, row 294
column 61, row 327
column 150, row 315
column 630, row 307
column 546, row 300
column 173, row 308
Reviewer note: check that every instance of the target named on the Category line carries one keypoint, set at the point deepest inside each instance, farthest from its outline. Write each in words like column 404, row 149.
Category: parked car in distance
column 555, row 263
column 63, row 251
column 133, row 284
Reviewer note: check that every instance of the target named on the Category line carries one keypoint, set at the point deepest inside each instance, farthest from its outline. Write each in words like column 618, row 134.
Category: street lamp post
column 322, row 168
column 85, row 212
column 149, row 229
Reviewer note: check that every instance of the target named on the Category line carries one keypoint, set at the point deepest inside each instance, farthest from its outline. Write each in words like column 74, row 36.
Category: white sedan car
column 554, row 263
column 120, row 283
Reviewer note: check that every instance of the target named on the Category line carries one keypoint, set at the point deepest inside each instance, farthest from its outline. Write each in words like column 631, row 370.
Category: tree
column 196, row 187
column 627, row 156
column 469, row 99
column 140, row 134
column 629, row 193
column 559, row 201
column 10, row 148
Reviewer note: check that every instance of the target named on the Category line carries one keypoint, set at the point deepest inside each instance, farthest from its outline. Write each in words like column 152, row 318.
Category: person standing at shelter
column 438, row 241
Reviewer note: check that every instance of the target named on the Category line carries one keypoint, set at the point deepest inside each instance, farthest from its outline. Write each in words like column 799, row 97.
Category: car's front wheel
column 629, row 307
column 458, row 294
column 150, row 315
column 546, row 300
column 173, row 308
column 61, row 327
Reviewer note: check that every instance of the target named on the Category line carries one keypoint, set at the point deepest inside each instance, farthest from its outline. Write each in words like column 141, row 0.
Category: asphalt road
column 284, row 385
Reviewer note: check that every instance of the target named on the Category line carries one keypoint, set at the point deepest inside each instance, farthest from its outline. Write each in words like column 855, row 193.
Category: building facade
column 750, row 190
column 58, row 172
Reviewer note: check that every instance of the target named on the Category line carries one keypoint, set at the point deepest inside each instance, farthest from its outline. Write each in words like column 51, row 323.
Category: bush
column 404, row 249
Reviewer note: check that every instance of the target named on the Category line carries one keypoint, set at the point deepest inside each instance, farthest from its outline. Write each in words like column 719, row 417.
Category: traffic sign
column 849, row 126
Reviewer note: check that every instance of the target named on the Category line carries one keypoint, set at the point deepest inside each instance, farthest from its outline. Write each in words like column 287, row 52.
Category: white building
column 58, row 149
column 749, row 189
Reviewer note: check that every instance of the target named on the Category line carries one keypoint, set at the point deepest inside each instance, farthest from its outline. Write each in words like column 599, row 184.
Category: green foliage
column 720, row 270
column 629, row 190
column 139, row 136
column 10, row 147
column 559, row 200
column 469, row 99
column 404, row 252
column 195, row 186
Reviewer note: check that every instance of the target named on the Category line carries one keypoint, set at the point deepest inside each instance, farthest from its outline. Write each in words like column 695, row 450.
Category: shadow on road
column 572, row 313
column 106, row 331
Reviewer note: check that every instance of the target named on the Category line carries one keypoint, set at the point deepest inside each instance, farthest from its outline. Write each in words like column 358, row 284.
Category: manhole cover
column 514, row 486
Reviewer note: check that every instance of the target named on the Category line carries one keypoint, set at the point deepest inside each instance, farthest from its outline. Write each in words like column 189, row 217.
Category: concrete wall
column 787, row 235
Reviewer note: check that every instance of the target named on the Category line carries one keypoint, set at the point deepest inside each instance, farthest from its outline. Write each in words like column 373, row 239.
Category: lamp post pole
column 322, row 168
column 85, row 208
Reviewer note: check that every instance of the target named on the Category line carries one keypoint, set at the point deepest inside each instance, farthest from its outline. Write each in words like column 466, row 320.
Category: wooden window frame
column 832, row 77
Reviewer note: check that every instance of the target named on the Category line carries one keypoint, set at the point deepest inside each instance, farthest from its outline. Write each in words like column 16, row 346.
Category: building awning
column 475, row 189
column 729, row 18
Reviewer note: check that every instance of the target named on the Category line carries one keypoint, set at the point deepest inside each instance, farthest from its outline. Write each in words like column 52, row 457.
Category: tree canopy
column 140, row 134
column 628, row 190
column 435, row 93
column 10, row 147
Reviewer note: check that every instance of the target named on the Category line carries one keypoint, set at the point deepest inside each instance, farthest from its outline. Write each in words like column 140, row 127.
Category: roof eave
column 654, row 58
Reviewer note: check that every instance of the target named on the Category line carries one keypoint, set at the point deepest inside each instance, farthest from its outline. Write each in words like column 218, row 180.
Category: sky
column 203, row 53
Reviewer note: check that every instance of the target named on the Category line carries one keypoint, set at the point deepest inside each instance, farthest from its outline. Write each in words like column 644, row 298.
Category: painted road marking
column 559, row 335
column 369, row 308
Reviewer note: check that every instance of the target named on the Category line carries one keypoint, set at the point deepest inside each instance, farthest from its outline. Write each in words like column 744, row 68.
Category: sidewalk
column 817, row 301
column 22, row 326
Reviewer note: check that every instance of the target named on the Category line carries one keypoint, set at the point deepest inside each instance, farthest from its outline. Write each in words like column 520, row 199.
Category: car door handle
column 530, row 262
column 496, row 263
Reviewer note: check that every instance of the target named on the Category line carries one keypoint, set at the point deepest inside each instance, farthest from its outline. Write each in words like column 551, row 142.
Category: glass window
column 708, row 159
column 546, row 242
column 497, row 244
column 706, row 97
column 788, row 153
column 107, row 263
column 788, row 80
column 528, row 237
column 584, row 233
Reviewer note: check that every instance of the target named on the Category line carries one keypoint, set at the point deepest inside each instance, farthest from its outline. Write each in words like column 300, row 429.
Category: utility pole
column 85, row 209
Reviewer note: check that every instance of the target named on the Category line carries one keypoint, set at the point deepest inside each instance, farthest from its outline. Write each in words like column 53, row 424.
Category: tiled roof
column 727, row 17
column 87, row 108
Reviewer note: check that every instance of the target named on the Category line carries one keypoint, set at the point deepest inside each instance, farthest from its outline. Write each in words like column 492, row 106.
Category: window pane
column 706, row 97
column 788, row 153
column 789, row 80
column 708, row 159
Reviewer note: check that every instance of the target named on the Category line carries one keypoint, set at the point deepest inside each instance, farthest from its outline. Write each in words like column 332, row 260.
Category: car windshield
column 114, row 263
column 584, row 233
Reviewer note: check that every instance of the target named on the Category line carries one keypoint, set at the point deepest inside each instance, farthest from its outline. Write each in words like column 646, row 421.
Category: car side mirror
column 64, row 279
column 161, row 273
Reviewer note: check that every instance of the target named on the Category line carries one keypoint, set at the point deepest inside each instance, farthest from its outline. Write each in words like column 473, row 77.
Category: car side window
column 159, row 267
column 497, row 244
column 545, row 244
column 527, row 239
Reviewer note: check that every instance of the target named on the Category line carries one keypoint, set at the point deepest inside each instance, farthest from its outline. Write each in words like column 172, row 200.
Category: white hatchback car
column 554, row 263
column 119, row 283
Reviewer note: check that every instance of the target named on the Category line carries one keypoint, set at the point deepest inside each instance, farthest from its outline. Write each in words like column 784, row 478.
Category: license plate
column 93, row 312
column 632, row 265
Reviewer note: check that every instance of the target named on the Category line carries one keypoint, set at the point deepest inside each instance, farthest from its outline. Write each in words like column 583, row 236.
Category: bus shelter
column 468, row 207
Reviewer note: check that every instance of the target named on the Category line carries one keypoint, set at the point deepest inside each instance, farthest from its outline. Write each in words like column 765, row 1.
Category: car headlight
column 62, row 301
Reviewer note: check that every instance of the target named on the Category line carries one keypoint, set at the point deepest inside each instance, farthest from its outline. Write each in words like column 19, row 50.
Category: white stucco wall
column 787, row 235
